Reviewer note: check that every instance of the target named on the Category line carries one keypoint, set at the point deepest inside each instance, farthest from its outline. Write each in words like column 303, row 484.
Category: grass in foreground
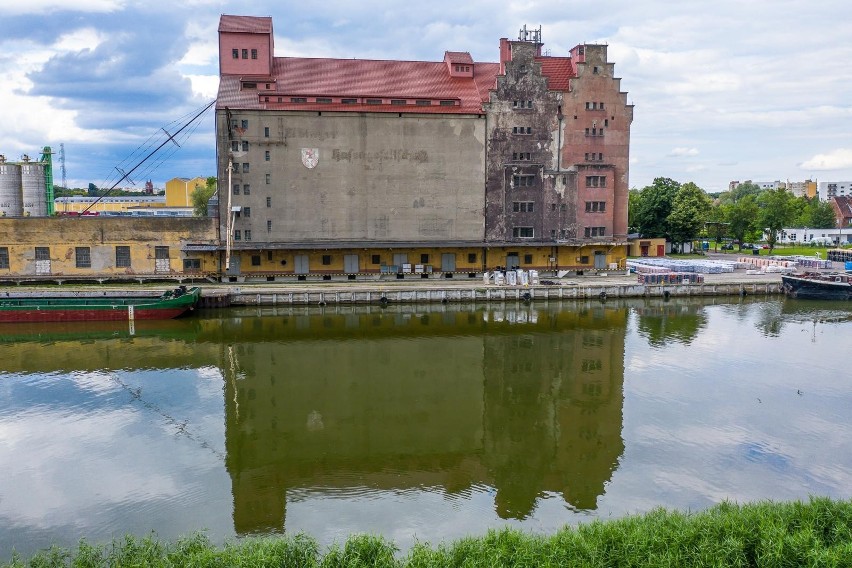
column 816, row 533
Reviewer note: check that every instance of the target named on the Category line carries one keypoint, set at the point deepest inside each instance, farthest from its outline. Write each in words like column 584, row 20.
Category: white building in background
column 829, row 189
column 821, row 237
column 777, row 184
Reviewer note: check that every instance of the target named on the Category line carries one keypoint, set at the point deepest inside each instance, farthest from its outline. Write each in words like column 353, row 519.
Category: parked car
column 727, row 246
column 764, row 247
column 748, row 246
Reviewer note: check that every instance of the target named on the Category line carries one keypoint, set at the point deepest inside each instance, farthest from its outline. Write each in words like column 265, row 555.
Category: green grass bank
column 789, row 534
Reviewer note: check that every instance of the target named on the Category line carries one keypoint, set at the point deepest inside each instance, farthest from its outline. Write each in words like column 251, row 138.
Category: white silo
column 34, row 188
column 11, row 202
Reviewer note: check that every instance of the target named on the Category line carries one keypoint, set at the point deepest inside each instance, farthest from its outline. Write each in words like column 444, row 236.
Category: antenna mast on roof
column 533, row 36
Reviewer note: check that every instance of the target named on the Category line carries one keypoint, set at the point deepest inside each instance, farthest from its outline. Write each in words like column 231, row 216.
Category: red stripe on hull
column 117, row 314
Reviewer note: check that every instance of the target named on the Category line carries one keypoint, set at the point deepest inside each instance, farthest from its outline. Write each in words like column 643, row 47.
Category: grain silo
column 11, row 201
column 34, row 189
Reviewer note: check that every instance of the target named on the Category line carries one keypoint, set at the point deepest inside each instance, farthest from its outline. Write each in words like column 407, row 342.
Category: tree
column 776, row 208
column 742, row 190
column 821, row 214
column 690, row 210
column 655, row 206
column 742, row 216
column 201, row 195
column 633, row 198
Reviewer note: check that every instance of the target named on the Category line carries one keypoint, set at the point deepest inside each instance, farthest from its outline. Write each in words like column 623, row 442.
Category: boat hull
column 804, row 288
column 56, row 309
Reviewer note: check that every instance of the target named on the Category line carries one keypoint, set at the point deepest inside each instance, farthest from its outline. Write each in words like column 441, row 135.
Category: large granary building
column 346, row 166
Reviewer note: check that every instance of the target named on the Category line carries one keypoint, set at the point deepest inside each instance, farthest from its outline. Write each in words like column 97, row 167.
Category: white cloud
column 41, row 6
column 834, row 160
column 681, row 151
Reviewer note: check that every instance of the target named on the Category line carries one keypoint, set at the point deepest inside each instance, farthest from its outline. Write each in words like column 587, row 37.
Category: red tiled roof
column 458, row 57
column 844, row 206
column 245, row 24
column 558, row 70
column 386, row 79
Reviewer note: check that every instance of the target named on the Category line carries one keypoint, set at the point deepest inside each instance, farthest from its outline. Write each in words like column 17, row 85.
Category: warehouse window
column 266, row 156
column 595, row 206
column 268, row 180
column 161, row 253
column 323, row 100
column 4, row 257
column 266, row 131
column 528, row 259
column 269, row 225
column 424, row 258
column 376, row 259
column 248, row 234
column 245, row 168
column 471, row 258
column 235, row 53
column 523, row 206
column 245, row 54
column 523, row 180
column 42, row 253
column 246, row 189
column 326, row 259
column 246, row 211
column 191, row 264
column 245, row 146
column 236, row 189
column 238, row 235
column 254, row 54
column 83, row 257
column 522, row 232
column 255, row 260
column 595, row 181
column 595, row 231
column 122, row 257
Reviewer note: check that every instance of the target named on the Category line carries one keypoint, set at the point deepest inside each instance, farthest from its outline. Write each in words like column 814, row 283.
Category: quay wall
column 250, row 296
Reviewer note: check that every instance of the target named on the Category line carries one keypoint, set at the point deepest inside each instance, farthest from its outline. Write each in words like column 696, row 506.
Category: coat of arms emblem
column 310, row 157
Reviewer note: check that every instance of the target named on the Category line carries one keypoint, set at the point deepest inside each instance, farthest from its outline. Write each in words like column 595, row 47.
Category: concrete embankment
column 578, row 288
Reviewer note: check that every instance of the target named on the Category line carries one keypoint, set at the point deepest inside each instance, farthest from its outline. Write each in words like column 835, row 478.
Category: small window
column 268, row 201
column 266, row 155
column 42, row 253
column 191, row 264
column 326, row 259
column 245, row 146
column 255, row 259
column 122, row 257
column 528, row 259
column 298, row 99
column 245, row 167
column 248, row 234
column 376, row 259
column 236, row 189
column 235, row 53
column 266, row 131
column 268, row 179
column 349, row 101
column 238, row 235
column 161, row 253
column 471, row 258
column 245, row 54
column 424, row 259
column 596, row 70
column 374, row 101
column 448, row 103
column 254, row 54
column 269, row 255
column 269, row 225
column 323, row 100
column 4, row 257
column 522, row 232
column 397, row 101
column 421, row 102
column 246, row 211
column 244, row 123
column 246, row 189
column 249, row 85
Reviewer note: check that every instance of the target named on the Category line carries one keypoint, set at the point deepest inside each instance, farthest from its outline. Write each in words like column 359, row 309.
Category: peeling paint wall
column 324, row 176
column 62, row 236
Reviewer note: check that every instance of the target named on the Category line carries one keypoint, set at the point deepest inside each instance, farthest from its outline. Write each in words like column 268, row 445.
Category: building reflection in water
column 524, row 399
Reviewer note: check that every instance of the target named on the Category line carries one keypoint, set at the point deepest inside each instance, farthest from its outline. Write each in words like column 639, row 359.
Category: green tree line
column 682, row 212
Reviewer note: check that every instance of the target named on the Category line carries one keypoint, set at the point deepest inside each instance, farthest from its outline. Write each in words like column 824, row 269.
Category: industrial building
column 337, row 167
column 26, row 187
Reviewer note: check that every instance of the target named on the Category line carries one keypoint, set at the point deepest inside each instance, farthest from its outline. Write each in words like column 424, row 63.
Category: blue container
column 848, row 265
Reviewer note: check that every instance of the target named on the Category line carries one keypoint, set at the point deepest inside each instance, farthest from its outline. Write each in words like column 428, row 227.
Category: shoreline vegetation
column 813, row 533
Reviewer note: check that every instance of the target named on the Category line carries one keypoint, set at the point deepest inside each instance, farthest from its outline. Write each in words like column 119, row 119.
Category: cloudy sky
column 724, row 90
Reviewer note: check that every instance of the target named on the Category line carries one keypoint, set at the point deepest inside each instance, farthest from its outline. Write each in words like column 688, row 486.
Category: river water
column 421, row 423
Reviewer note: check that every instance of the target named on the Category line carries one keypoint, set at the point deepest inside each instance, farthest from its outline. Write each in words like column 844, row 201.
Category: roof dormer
column 459, row 63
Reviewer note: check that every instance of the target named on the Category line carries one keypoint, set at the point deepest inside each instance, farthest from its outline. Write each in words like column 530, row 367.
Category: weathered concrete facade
column 102, row 247
column 377, row 177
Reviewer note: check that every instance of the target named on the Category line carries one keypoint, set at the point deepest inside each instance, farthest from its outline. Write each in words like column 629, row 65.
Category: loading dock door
column 512, row 261
column 448, row 262
column 234, row 265
column 350, row 264
column 600, row 260
column 301, row 263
